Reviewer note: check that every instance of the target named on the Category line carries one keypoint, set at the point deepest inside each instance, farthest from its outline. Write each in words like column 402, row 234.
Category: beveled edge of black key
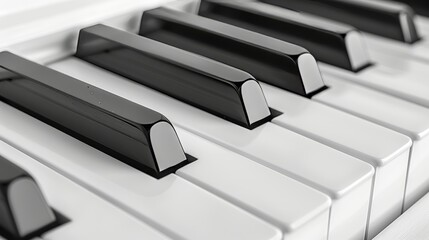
column 16, row 183
column 419, row 6
column 305, row 63
column 399, row 15
column 354, row 46
column 247, row 89
column 153, row 126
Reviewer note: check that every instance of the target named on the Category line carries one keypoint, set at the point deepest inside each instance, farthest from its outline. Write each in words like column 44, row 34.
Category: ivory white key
column 270, row 145
column 90, row 217
column 172, row 205
column 422, row 23
column 396, row 114
column 412, row 225
column 404, row 78
column 300, row 211
column 387, row 151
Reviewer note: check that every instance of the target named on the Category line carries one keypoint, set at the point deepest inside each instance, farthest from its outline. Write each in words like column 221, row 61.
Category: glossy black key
column 387, row 19
column 272, row 61
column 336, row 44
column 132, row 133
column 420, row 6
column 23, row 209
column 204, row 83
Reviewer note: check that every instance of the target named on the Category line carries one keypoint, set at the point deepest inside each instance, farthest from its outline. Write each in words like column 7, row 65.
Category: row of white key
column 387, row 151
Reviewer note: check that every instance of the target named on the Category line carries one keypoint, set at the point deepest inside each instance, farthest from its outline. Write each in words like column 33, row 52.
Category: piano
column 214, row 119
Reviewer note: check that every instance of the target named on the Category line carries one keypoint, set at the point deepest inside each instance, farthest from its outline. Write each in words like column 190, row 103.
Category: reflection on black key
column 272, row 61
column 217, row 88
column 134, row 134
column 335, row 44
column 387, row 19
column 23, row 209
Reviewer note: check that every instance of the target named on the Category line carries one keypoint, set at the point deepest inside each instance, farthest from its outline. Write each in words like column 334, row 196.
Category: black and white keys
column 139, row 136
column 79, row 213
column 24, row 210
column 388, row 19
column 157, row 202
column 300, row 113
column 268, row 144
column 291, row 67
column 218, row 88
column 344, row 52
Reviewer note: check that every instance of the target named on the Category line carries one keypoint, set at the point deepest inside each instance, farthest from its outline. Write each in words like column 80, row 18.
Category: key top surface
column 291, row 67
column 160, row 203
column 301, row 212
column 89, row 217
column 222, row 90
column 396, row 114
column 137, row 135
column 334, row 43
column 269, row 145
column 24, row 208
column 387, row 19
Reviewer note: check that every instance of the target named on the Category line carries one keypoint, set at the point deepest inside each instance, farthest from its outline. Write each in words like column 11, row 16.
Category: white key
column 418, row 50
column 412, row 225
column 422, row 24
column 387, row 151
column 282, row 150
column 399, row 115
column 300, row 211
column 90, row 216
column 172, row 205
column 400, row 77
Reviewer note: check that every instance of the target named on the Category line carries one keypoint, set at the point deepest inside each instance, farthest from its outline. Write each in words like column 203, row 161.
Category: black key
column 387, row 19
column 420, row 6
column 336, row 44
column 23, row 209
column 212, row 86
column 138, row 136
column 272, row 61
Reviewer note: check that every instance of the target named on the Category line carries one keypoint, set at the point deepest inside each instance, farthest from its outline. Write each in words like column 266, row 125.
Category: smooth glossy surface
column 269, row 60
column 388, row 19
column 23, row 208
column 172, row 205
column 89, row 216
column 196, row 80
column 300, row 211
column 101, row 119
column 387, row 151
column 284, row 151
column 394, row 113
column 324, row 39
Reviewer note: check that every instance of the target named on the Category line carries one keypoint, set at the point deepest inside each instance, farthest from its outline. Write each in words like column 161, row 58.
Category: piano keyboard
column 214, row 119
